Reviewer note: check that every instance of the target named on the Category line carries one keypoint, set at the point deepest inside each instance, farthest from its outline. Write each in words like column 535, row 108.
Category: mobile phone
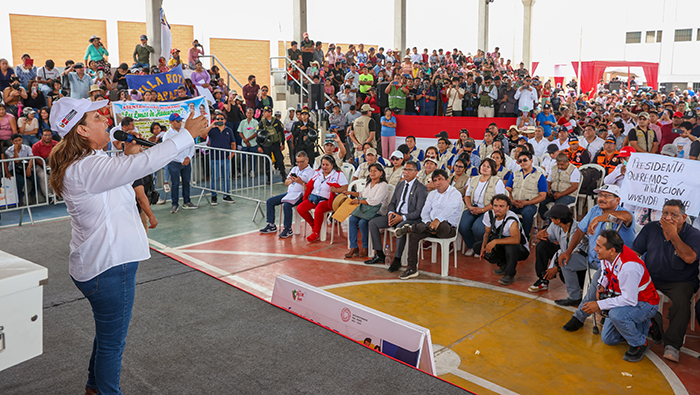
column 677, row 130
column 34, row 89
column 101, row 74
column 330, row 136
column 293, row 175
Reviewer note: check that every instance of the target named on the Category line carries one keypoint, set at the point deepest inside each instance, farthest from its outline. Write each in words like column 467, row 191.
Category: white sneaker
column 160, row 201
column 470, row 252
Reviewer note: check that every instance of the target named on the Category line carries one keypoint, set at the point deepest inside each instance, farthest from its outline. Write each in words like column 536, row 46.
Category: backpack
column 149, row 189
column 589, row 181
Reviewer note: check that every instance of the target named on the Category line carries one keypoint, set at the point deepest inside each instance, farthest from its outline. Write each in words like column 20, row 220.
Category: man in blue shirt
column 79, row 80
column 427, row 98
column 547, row 120
column 606, row 215
column 220, row 136
column 671, row 248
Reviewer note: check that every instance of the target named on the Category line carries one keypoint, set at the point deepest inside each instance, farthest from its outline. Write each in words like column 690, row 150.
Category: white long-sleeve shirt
column 188, row 153
column 526, row 98
column 107, row 228
column 446, row 206
column 630, row 274
column 376, row 195
column 615, row 177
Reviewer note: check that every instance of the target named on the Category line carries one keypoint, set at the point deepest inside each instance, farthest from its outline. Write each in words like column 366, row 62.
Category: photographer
column 272, row 143
column 96, row 51
column 427, row 98
column 332, row 147
column 305, row 135
column 454, row 96
column 397, row 95
column 12, row 95
column 625, row 289
column 488, row 94
column 470, row 101
column 193, row 54
column 504, row 240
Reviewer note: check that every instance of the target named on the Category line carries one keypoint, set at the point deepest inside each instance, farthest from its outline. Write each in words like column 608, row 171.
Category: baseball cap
column 610, row 139
column 678, row 114
column 371, row 150
column 609, row 188
column 547, row 106
column 174, row 117
column 144, row 37
column 643, row 114
column 443, row 134
column 559, row 211
column 552, row 148
column 626, row 152
column 397, row 154
column 669, row 150
column 332, row 142
column 66, row 112
column 572, row 138
column 365, row 107
column 78, row 65
column 269, row 109
column 521, row 137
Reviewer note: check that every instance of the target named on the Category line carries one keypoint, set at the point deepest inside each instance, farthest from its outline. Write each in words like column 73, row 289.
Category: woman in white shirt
column 108, row 239
column 477, row 200
column 373, row 194
column 28, row 127
column 324, row 185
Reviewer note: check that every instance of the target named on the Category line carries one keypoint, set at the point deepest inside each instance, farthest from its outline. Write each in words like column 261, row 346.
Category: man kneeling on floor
column 296, row 183
column 625, row 294
column 504, row 240
column 440, row 217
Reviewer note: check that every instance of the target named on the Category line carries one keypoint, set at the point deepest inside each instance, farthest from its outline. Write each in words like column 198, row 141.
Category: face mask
column 219, row 123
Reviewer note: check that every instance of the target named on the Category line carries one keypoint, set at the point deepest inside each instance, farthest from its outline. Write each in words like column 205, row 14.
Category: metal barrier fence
column 21, row 191
column 246, row 175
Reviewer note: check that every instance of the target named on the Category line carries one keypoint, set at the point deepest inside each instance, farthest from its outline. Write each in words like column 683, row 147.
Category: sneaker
column 506, row 280
column 160, row 201
column 470, row 252
column 568, row 302
column 213, row 201
column 313, row 237
column 286, row 233
column 190, row 206
column 174, row 209
column 409, row 273
column 499, row 271
column 402, row 231
column 656, row 330
column 166, row 187
column 270, row 228
column 573, row 325
column 228, row 199
column 538, row 286
column 671, row 353
column 636, row 354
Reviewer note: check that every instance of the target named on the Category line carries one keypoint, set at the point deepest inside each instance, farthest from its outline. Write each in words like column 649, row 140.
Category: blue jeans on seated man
column 565, row 200
column 628, row 323
column 570, row 271
column 472, row 228
column 176, row 171
column 356, row 222
column 111, row 304
column 272, row 204
column 220, row 176
column 528, row 212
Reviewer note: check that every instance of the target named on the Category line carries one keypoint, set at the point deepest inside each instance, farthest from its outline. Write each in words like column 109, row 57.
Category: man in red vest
column 625, row 289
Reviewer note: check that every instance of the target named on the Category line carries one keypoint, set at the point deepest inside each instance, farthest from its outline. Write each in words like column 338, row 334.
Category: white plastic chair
column 663, row 299
column 297, row 222
column 348, row 169
column 444, row 249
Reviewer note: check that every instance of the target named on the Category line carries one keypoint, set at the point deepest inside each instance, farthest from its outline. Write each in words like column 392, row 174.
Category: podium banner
column 651, row 180
column 392, row 336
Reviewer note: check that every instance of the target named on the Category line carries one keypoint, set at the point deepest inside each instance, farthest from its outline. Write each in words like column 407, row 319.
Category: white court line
column 288, row 256
column 673, row 380
column 482, row 382
column 690, row 352
column 215, row 239
column 38, row 221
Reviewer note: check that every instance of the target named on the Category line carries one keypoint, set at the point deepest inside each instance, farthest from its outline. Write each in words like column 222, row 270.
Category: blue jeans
column 111, row 296
column 177, row 170
column 250, row 163
column 471, row 228
column 29, row 139
column 566, row 200
column 220, row 168
column 356, row 222
column 628, row 323
column 272, row 204
column 528, row 212
column 140, row 65
column 589, row 296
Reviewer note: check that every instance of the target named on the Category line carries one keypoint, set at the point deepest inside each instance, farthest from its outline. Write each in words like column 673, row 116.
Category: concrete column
column 400, row 25
column 483, row 26
column 300, row 27
column 153, row 28
column 527, row 33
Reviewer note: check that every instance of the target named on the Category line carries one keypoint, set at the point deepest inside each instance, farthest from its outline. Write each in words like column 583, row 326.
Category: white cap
column 609, row 188
column 66, row 112
column 397, row 154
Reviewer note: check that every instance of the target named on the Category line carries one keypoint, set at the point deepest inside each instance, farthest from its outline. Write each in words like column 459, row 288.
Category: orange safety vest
column 575, row 156
column 609, row 163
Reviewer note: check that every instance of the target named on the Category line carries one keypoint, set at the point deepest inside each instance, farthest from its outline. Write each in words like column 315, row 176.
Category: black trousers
column 679, row 312
column 419, row 232
column 544, row 252
column 506, row 256
column 277, row 151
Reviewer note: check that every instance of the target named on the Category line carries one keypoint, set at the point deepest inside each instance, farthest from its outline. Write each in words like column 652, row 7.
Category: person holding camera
column 488, row 94
column 270, row 136
column 454, row 95
column 305, row 135
column 439, row 218
column 12, row 95
column 333, row 147
column 193, row 54
column 96, row 51
column 296, row 183
column 625, row 294
column 526, row 96
column 504, row 242
column 397, row 94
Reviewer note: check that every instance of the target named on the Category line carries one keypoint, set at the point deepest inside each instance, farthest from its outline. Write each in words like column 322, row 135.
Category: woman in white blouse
column 108, row 239
column 477, row 199
column 373, row 194
column 327, row 182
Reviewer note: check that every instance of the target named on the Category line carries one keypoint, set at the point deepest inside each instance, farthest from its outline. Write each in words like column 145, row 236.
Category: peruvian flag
column 569, row 126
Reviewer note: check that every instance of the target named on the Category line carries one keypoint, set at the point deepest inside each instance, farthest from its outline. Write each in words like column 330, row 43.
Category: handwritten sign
column 164, row 84
column 651, row 180
column 146, row 113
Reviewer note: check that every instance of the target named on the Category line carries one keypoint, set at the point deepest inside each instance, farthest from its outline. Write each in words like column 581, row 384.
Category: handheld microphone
column 124, row 136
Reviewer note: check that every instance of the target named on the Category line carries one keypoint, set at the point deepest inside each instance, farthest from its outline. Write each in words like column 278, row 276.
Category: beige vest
column 361, row 129
column 525, row 188
column 645, row 141
column 424, row 178
column 503, row 172
column 561, row 179
column 489, row 192
column 394, row 175
column 485, row 151
column 460, row 183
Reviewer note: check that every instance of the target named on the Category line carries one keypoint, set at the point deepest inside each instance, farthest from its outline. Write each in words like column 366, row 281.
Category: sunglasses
column 219, row 119
column 523, row 160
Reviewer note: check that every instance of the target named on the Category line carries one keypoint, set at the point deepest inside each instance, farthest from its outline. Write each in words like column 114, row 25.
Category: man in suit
column 405, row 208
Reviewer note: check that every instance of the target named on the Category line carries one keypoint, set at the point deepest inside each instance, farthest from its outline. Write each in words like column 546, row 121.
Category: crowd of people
column 492, row 192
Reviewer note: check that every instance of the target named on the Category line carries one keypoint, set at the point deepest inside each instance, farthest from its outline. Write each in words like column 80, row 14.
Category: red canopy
column 592, row 72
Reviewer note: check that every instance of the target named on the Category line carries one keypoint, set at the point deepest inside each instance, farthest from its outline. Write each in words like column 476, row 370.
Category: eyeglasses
column 670, row 214
column 264, row 90
column 523, row 160
column 408, row 169
column 395, row 158
column 606, row 196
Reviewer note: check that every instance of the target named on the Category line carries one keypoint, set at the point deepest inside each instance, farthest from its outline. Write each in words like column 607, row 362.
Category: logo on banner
column 345, row 314
column 297, row 295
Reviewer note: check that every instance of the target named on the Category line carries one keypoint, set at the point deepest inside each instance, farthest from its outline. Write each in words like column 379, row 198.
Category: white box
column 21, row 309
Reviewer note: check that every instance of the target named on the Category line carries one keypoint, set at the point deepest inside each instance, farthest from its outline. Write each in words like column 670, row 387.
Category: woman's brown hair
column 72, row 148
